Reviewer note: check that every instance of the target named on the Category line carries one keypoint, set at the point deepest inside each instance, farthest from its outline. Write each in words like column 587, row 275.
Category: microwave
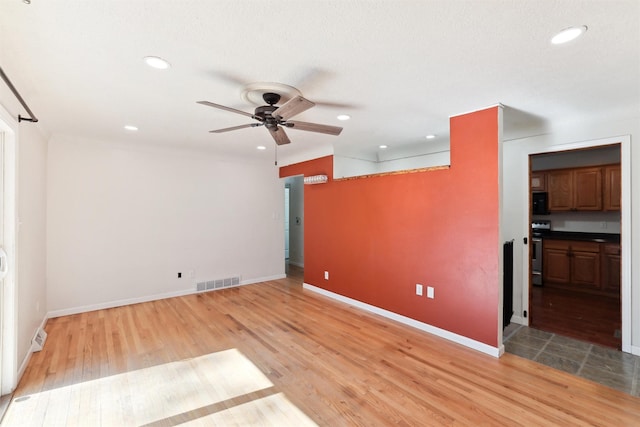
column 539, row 203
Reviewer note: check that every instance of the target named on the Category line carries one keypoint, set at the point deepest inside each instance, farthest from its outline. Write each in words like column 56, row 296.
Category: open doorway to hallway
column 575, row 255
column 294, row 225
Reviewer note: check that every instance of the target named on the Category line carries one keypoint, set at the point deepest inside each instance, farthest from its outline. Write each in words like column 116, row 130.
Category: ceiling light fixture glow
column 261, row 147
column 156, row 62
column 430, row 136
column 344, row 117
column 382, row 147
column 131, row 128
column 568, row 34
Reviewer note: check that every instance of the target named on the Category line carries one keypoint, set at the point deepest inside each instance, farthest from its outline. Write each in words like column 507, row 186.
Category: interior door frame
column 625, row 227
column 9, row 312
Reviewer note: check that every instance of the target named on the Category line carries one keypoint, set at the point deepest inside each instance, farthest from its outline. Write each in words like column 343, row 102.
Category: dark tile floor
column 603, row 365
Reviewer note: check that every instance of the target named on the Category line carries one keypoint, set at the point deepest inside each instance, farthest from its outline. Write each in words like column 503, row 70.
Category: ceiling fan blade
column 250, row 125
column 292, row 107
column 314, row 127
column 279, row 135
column 233, row 110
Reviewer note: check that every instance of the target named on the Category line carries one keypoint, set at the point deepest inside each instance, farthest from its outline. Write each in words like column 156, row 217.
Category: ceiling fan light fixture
column 568, row 34
column 156, row 62
column 343, row 117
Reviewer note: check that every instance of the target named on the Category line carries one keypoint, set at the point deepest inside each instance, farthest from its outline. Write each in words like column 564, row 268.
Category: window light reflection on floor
column 218, row 388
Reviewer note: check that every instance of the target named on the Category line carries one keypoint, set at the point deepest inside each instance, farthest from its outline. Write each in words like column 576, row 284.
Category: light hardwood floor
column 275, row 354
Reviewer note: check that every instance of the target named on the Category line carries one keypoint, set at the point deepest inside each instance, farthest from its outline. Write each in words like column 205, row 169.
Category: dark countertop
column 587, row 237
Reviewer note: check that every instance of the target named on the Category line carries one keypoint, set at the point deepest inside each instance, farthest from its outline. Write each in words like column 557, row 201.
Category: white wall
column 31, row 242
column 122, row 221
column 515, row 182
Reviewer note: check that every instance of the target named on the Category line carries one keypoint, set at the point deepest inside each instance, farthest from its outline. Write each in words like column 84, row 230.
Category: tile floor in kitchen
column 603, row 365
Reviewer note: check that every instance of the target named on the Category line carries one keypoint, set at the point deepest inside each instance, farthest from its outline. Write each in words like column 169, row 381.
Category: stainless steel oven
column 536, row 261
column 538, row 228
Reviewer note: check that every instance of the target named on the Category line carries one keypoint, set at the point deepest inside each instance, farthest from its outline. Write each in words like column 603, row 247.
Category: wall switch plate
column 430, row 292
column 418, row 289
column 326, row 275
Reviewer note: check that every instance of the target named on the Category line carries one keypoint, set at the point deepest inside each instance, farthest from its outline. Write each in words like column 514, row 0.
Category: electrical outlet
column 418, row 289
column 326, row 275
column 430, row 292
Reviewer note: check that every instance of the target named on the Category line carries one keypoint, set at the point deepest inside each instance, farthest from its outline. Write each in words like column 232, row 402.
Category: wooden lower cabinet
column 611, row 263
column 572, row 264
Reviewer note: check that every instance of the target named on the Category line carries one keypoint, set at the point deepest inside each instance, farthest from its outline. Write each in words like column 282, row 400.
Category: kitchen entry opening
column 294, row 224
column 575, row 251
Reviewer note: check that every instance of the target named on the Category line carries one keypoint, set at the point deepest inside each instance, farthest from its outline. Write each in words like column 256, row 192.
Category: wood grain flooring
column 583, row 316
column 275, row 354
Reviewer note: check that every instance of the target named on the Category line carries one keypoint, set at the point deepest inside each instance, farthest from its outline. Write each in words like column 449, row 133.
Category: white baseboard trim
column 27, row 357
column 442, row 333
column 297, row 264
column 520, row 320
column 137, row 300
column 635, row 350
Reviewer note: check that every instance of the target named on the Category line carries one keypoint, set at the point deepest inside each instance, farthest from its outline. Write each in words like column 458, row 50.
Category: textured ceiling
column 399, row 68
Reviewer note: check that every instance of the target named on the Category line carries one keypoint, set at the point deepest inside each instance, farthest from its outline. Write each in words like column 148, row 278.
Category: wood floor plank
column 323, row 361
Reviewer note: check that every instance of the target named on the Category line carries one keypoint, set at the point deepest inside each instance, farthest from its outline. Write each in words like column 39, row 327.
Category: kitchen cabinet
column 578, row 189
column 612, row 188
column 610, row 261
column 574, row 264
column 538, row 181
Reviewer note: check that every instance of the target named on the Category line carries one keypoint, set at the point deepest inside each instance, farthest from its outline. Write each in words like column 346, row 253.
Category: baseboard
column 27, row 357
column 148, row 298
column 520, row 320
column 635, row 350
column 442, row 333
column 297, row 264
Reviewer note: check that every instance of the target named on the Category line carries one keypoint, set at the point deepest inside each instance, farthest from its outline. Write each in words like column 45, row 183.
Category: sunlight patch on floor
column 204, row 390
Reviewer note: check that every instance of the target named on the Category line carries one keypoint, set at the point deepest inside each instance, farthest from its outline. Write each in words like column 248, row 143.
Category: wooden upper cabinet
column 612, row 188
column 587, row 189
column 575, row 189
column 560, row 188
column 538, row 181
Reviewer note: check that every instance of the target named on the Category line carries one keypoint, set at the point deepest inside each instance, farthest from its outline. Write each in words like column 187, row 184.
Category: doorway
column 294, row 223
column 577, row 291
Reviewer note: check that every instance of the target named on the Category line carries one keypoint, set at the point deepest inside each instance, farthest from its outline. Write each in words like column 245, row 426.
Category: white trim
column 442, row 333
column 138, row 300
column 297, row 264
column 519, row 320
column 625, row 224
column 635, row 350
column 27, row 357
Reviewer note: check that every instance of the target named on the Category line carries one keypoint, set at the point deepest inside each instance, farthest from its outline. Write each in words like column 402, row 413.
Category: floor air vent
column 217, row 284
column 38, row 341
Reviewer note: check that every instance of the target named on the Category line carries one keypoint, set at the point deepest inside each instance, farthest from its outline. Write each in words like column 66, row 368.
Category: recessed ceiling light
column 156, row 62
column 430, row 136
column 568, row 34
column 382, row 147
column 261, row 147
column 344, row 117
column 131, row 128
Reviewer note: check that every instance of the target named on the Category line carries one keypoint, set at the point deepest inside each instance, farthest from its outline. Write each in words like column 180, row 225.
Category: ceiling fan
column 275, row 118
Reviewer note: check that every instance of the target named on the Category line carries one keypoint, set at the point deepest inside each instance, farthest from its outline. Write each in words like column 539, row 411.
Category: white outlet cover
column 326, row 275
column 429, row 292
column 418, row 289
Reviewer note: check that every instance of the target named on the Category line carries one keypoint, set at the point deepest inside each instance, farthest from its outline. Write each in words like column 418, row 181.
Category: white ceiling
column 399, row 68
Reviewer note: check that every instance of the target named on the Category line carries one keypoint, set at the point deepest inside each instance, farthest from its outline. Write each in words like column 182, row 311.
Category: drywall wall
column 377, row 237
column 32, row 208
column 122, row 221
column 515, row 180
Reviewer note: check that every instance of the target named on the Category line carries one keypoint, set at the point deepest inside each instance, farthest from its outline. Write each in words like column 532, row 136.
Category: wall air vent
column 217, row 284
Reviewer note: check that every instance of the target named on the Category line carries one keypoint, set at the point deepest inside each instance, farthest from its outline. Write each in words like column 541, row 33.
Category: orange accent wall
column 379, row 236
